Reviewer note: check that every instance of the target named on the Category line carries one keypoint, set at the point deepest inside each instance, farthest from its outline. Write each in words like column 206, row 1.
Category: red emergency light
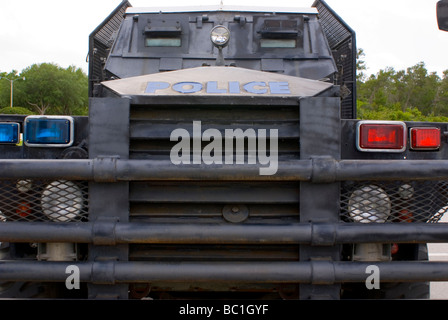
column 425, row 138
column 381, row 136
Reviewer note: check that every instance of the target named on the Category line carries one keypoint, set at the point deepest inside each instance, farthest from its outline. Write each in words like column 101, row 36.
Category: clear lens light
column 62, row 201
column 406, row 191
column 220, row 36
column 24, row 185
column 369, row 204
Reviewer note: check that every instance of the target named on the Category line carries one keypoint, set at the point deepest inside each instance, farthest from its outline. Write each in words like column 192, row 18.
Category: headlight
column 62, row 201
column 220, row 36
column 369, row 204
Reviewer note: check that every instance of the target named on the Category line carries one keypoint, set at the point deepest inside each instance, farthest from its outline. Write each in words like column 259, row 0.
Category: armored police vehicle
column 221, row 158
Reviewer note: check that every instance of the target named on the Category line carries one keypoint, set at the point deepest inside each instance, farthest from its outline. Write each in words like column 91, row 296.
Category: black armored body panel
column 221, row 158
column 312, row 43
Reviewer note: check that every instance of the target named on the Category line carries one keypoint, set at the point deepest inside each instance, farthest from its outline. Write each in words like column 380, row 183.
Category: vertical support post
column 319, row 202
column 109, row 202
column 12, row 93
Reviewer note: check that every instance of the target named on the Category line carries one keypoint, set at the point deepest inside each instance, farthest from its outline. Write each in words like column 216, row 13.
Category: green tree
column 73, row 84
column 440, row 105
column 361, row 66
column 413, row 94
column 378, row 89
column 420, row 89
column 50, row 89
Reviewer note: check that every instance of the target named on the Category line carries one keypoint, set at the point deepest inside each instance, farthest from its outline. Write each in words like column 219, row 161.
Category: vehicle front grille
column 216, row 202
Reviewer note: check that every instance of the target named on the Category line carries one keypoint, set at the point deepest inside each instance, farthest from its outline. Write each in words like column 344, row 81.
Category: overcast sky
column 393, row 33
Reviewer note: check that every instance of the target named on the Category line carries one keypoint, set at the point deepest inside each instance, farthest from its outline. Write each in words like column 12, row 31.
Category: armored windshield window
column 279, row 34
column 278, row 43
column 163, row 36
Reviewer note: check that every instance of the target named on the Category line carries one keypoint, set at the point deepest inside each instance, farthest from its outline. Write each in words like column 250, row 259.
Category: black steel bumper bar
column 321, row 170
column 318, row 234
column 314, row 272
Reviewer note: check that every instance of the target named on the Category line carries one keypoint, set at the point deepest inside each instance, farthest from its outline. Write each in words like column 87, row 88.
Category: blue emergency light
column 9, row 133
column 48, row 131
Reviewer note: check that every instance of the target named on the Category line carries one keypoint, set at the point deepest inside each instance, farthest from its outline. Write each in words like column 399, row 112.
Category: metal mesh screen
column 336, row 31
column 101, row 41
column 395, row 201
column 342, row 41
column 43, row 200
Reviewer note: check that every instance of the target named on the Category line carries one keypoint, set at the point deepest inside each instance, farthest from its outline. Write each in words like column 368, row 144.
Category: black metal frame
column 319, row 232
column 316, row 273
column 325, row 161
column 316, row 170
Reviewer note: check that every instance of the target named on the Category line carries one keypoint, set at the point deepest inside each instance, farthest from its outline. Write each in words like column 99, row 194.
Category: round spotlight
column 62, row 201
column 220, row 36
column 369, row 204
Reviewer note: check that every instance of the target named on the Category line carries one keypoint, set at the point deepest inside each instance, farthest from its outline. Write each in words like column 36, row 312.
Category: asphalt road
column 439, row 252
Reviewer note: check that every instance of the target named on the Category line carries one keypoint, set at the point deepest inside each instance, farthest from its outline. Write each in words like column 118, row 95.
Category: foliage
column 413, row 94
column 49, row 89
column 394, row 112
column 16, row 110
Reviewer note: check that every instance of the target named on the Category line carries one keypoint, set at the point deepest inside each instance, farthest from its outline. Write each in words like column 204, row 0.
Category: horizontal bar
column 314, row 170
column 151, row 233
column 391, row 170
column 51, row 169
column 318, row 234
column 112, row 170
column 391, row 233
column 114, row 272
column 294, row 170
